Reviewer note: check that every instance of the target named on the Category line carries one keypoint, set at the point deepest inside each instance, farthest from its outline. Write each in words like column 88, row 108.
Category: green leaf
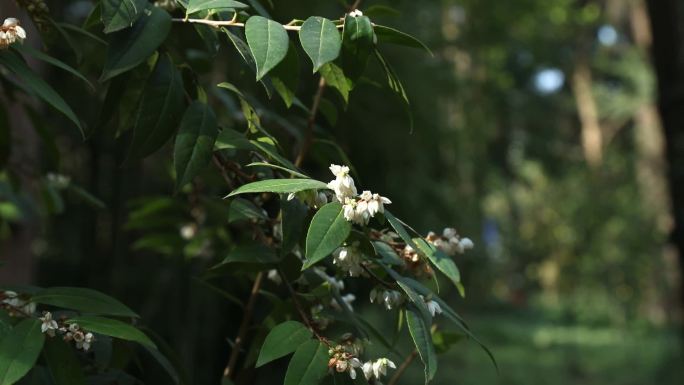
column 120, row 14
column 231, row 139
column 242, row 209
column 440, row 260
column 83, row 300
column 268, row 43
column 38, row 86
column 203, row 5
column 194, row 142
column 259, row 254
column 246, row 54
column 160, row 110
column 357, row 45
column 130, row 47
column 293, row 216
column 113, row 328
column 281, row 168
column 398, row 226
column 283, row 340
column 328, row 230
column 63, row 363
column 419, row 327
column 19, row 350
column 308, row 365
column 395, row 85
column 335, row 78
column 285, row 76
column 279, row 186
column 391, row 35
column 320, row 40
column 28, row 50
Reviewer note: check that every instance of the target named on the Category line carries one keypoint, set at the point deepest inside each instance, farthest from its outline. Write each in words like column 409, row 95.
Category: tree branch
column 244, row 326
column 402, row 368
column 233, row 23
column 308, row 140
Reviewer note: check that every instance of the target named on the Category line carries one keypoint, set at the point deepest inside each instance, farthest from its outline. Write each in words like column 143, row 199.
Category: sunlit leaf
column 19, row 350
column 203, row 5
column 279, row 186
column 335, row 78
column 320, row 40
column 443, row 262
column 268, row 43
column 327, row 231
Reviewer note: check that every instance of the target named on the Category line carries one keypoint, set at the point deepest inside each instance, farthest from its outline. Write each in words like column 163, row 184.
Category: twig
column 354, row 6
column 375, row 276
column 224, row 173
column 233, row 23
column 244, row 326
column 300, row 310
column 402, row 368
column 308, row 140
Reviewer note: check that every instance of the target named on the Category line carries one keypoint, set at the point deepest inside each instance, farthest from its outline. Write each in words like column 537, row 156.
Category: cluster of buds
column 341, row 360
column 11, row 32
column 72, row 332
column 358, row 209
column 39, row 12
column 450, row 242
column 312, row 198
column 349, row 259
column 415, row 263
column 355, row 13
column 15, row 304
column 390, row 299
column 432, row 306
column 347, row 300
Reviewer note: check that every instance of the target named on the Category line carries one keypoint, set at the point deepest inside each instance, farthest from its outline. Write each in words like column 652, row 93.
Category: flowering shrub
column 316, row 236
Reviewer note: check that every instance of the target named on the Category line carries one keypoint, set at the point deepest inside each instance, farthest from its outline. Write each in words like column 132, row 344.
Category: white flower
column 367, row 369
column 334, row 282
column 188, row 231
column 274, row 276
column 347, row 299
column 449, row 233
column 83, row 341
column 466, row 244
column 380, row 367
column 48, row 325
column 377, row 204
column 389, row 298
column 355, row 13
column 343, row 184
column 348, row 258
column 11, row 32
column 17, row 304
column 433, row 307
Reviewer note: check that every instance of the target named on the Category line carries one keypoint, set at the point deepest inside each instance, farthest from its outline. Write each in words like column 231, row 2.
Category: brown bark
column 592, row 138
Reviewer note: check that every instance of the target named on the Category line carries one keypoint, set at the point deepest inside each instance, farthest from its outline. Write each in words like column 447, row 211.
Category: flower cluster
column 312, row 198
column 349, row 259
column 390, row 299
column 357, row 209
column 71, row 332
column 11, row 32
column 355, row 13
column 38, row 11
column 342, row 361
column 376, row 369
column 15, row 304
column 450, row 242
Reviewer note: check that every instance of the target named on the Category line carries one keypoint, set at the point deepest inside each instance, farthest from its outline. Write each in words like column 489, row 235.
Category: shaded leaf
column 160, row 110
column 83, row 300
column 38, row 86
column 242, row 209
column 130, row 47
column 357, row 45
column 62, row 362
column 391, row 35
column 395, row 85
column 308, row 365
column 285, row 76
column 246, row 54
column 419, row 328
column 28, row 50
column 194, row 142
column 335, row 78
column 203, row 5
column 283, row 340
column 293, row 214
column 113, row 328
column 120, row 14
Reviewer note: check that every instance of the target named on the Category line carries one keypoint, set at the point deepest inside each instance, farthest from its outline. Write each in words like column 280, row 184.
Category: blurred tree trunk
column 667, row 27
column 592, row 139
column 16, row 250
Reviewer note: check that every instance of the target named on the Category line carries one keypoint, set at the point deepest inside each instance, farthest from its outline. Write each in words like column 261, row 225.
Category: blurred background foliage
column 536, row 135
